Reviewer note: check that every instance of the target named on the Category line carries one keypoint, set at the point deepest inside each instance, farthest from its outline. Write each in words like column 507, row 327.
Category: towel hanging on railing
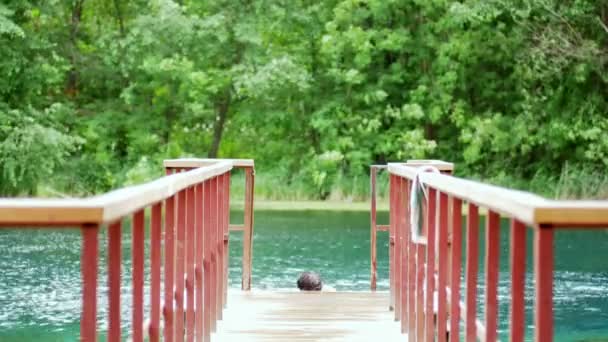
column 417, row 196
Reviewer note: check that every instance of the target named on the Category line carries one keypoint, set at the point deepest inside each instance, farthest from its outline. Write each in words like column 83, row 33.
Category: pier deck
column 308, row 316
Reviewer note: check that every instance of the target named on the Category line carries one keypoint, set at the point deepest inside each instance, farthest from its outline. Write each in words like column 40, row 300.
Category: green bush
column 32, row 148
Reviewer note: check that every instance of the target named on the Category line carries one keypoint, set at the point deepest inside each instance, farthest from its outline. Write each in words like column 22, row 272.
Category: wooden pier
column 308, row 316
column 189, row 227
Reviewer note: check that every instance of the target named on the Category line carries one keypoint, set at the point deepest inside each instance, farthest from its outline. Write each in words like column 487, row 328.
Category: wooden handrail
column 192, row 235
column 199, row 162
column 247, row 226
column 412, row 259
column 440, row 165
column 107, row 207
column 524, row 206
column 375, row 227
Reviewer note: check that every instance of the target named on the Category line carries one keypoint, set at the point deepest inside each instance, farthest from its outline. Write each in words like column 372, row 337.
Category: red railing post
column 405, row 237
column 137, row 253
column 420, row 254
column 442, row 271
column 248, row 229
column 169, row 308
column 89, row 257
column 198, row 272
column 430, row 264
column 373, row 232
column 114, row 265
column 155, row 268
column 491, row 274
column 391, row 238
column 180, row 264
column 543, row 275
column 190, row 250
column 226, row 235
column 518, row 280
column 219, row 253
column 455, row 269
column 472, row 264
column 220, row 246
column 397, row 247
column 213, row 246
column 207, row 269
column 411, row 278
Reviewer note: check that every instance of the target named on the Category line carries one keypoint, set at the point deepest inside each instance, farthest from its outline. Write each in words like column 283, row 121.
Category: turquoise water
column 40, row 272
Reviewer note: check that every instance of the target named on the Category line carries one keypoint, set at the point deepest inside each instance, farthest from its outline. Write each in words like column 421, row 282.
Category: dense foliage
column 95, row 93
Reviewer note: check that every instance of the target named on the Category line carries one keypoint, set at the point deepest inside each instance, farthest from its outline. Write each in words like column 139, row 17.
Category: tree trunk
column 119, row 17
column 222, row 109
column 223, row 105
column 72, row 86
column 429, row 131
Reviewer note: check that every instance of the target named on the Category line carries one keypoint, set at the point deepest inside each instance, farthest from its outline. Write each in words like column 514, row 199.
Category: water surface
column 40, row 272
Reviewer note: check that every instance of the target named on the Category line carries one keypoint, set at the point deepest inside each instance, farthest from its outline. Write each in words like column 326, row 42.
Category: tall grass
column 572, row 183
column 276, row 187
column 581, row 183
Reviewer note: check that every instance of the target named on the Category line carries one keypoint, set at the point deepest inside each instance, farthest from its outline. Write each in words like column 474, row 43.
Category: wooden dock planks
column 308, row 316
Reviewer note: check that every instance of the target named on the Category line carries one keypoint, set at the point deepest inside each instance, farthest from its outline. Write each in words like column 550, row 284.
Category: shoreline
column 309, row 205
column 270, row 205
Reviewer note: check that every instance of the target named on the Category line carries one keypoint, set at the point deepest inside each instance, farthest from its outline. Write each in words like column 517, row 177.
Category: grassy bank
column 322, row 205
column 273, row 186
column 310, row 205
column 354, row 192
column 571, row 183
column 275, row 191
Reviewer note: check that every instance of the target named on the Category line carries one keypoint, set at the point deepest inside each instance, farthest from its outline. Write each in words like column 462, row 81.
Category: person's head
column 310, row 281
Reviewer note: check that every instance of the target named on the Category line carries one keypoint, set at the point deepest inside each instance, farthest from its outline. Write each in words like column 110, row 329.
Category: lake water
column 40, row 272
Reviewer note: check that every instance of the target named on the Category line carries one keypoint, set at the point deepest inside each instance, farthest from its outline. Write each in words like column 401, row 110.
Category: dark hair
column 310, row 281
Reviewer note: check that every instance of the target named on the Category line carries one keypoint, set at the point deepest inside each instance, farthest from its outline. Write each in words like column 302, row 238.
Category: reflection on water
column 40, row 272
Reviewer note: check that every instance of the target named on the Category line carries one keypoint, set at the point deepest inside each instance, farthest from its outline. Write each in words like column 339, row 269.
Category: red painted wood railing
column 426, row 272
column 192, row 236
column 375, row 227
